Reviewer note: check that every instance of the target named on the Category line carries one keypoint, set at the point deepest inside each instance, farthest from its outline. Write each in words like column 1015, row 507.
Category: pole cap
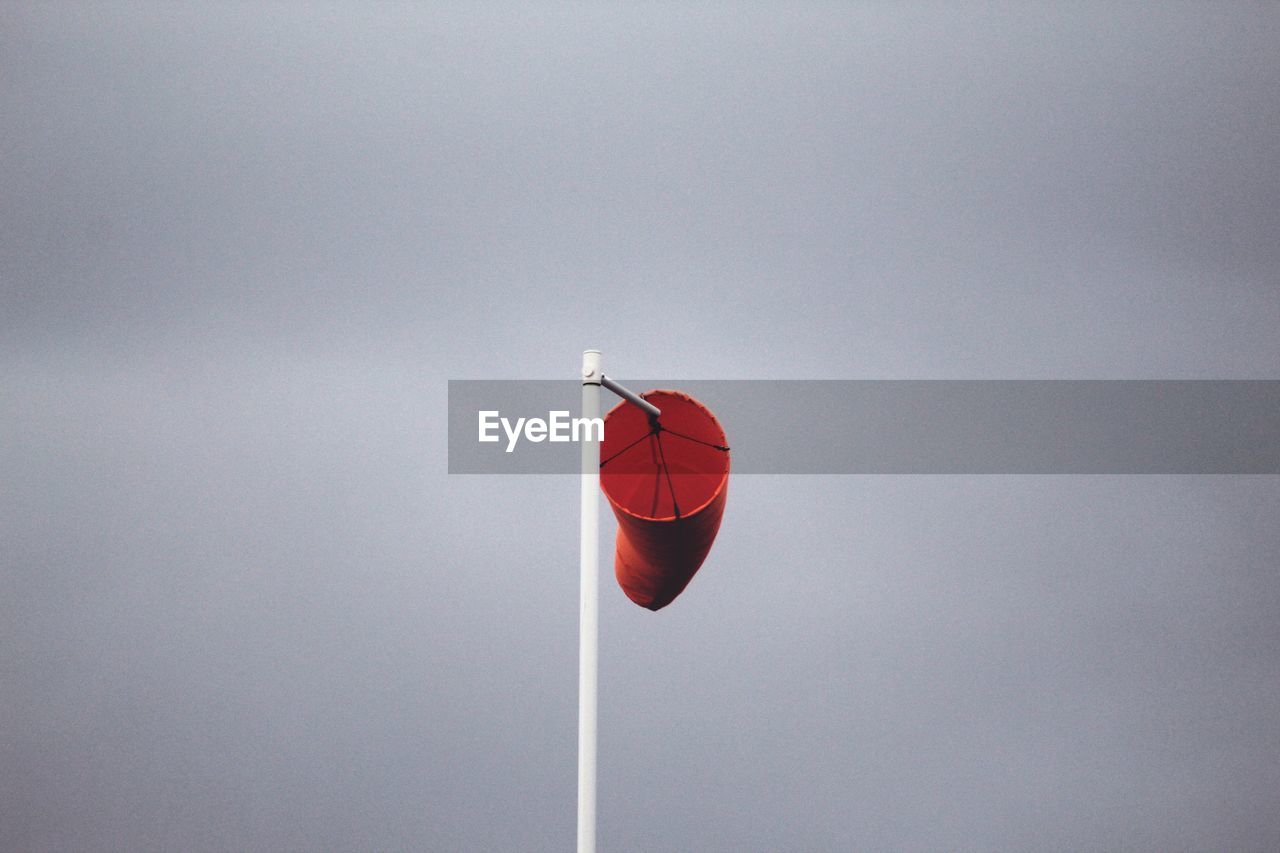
column 591, row 370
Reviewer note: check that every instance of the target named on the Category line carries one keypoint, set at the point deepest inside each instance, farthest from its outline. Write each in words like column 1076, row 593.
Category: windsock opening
column 666, row 481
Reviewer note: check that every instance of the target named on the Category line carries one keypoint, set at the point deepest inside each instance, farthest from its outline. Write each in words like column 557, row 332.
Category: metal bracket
column 631, row 397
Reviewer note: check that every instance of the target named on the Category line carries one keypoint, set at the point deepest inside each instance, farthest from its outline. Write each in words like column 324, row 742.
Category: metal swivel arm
column 631, row 397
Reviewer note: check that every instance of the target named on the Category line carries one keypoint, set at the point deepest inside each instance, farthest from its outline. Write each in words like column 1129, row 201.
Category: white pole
column 588, row 617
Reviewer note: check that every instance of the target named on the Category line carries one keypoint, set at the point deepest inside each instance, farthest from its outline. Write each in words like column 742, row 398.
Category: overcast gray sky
column 242, row 249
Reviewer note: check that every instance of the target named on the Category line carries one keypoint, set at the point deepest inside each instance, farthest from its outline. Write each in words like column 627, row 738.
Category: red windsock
column 666, row 481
